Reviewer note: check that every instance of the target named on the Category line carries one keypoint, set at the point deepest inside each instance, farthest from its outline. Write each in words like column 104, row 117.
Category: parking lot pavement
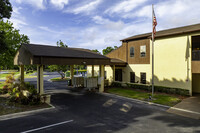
column 92, row 112
column 83, row 112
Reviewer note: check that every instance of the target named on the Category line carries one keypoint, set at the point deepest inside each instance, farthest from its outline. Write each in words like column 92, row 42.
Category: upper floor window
column 195, row 48
column 132, row 52
column 143, row 51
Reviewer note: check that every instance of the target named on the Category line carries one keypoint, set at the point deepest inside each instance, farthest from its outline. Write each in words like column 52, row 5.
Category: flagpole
column 152, row 52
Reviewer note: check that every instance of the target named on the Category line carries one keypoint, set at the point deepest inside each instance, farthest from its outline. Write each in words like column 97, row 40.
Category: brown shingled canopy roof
column 30, row 54
column 54, row 51
column 168, row 32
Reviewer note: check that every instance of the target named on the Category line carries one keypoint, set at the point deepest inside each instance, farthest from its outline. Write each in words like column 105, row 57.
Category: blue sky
column 96, row 24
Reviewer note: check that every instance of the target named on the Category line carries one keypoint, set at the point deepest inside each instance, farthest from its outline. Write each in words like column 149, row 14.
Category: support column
column 72, row 73
column 93, row 71
column 40, row 81
column 102, row 69
column 113, row 73
column 22, row 73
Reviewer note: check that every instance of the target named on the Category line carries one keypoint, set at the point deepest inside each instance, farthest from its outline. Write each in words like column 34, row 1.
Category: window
column 118, row 74
column 132, row 77
column 143, row 78
column 195, row 48
column 143, row 51
column 132, row 52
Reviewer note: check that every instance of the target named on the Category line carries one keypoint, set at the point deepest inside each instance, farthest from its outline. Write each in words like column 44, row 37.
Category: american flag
column 154, row 24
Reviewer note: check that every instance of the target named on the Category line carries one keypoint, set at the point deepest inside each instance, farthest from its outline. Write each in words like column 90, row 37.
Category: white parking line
column 52, row 125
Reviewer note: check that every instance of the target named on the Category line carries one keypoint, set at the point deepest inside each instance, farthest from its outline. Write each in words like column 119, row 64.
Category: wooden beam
column 72, row 73
column 102, row 69
column 22, row 73
column 40, row 81
column 113, row 72
column 92, row 70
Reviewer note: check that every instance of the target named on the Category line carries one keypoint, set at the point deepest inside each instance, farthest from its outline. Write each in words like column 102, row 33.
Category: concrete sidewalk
column 189, row 107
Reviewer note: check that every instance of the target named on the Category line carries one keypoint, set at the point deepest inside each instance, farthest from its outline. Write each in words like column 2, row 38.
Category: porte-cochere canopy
column 31, row 54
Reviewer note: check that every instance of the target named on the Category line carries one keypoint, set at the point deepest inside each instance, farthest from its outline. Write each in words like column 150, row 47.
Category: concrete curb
column 25, row 113
column 184, row 110
column 140, row 101
column 135, row 100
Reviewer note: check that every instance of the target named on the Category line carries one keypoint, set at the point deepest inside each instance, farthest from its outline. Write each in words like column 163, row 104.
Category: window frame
column 143, row 81
column 132, row 50
column 131, row 76
column 144, row 52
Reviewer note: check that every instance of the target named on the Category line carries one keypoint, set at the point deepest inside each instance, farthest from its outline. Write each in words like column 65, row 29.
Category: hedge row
column 162, row 89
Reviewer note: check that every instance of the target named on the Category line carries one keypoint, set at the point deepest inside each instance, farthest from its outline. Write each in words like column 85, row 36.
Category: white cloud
column 125, row 6
column 59, row 3
column 129, row 17
column 100, row 20
column 108, row 24
column 169, row 13
column 86, row 8
column 16, row 10
column 46, row 29
column 17, row 19
column 17, row 23
column 145, row 11
column 39, row 4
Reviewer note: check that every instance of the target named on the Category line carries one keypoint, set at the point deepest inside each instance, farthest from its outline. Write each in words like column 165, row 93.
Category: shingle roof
column 114, row 60
column 54, row 51
column 174, row 31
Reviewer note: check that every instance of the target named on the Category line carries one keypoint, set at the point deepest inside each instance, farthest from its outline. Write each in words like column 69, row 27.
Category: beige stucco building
column 176, row 59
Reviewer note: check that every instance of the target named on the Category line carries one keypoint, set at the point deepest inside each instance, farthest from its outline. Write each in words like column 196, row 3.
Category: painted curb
column 140, row 101
column 25, row 113
column 135, row 100
column 184, row 110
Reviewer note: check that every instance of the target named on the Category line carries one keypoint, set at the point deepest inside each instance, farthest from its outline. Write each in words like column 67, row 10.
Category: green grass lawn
column 3, row 76
column 16, row 75
column 59, row 79
column 165, row 99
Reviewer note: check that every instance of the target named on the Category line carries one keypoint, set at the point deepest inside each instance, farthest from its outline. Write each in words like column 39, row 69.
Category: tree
column 12, row 40
column 5, row 9
column 108, row 50
column 96, row 51
column 115, row 47
column 5, row 12
column 61, row 44
column 61, row 69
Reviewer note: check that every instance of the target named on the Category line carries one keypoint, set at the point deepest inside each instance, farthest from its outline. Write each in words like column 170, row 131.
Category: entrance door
column 118, row 74
column 195, row 83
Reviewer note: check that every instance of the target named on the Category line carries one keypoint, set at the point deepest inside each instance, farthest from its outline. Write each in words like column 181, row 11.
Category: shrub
column 24, row 93
column 116, row 84
column 162, row 89
column 9, row 83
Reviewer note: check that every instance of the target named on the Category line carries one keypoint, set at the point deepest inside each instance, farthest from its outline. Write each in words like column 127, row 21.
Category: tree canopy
column 61, row 44
column 5, row 9
column 12, row 39
column 108, row 50
column 96, row 51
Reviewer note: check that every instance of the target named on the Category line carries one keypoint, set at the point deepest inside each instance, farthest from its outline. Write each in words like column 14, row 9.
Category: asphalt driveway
column 83, row 112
